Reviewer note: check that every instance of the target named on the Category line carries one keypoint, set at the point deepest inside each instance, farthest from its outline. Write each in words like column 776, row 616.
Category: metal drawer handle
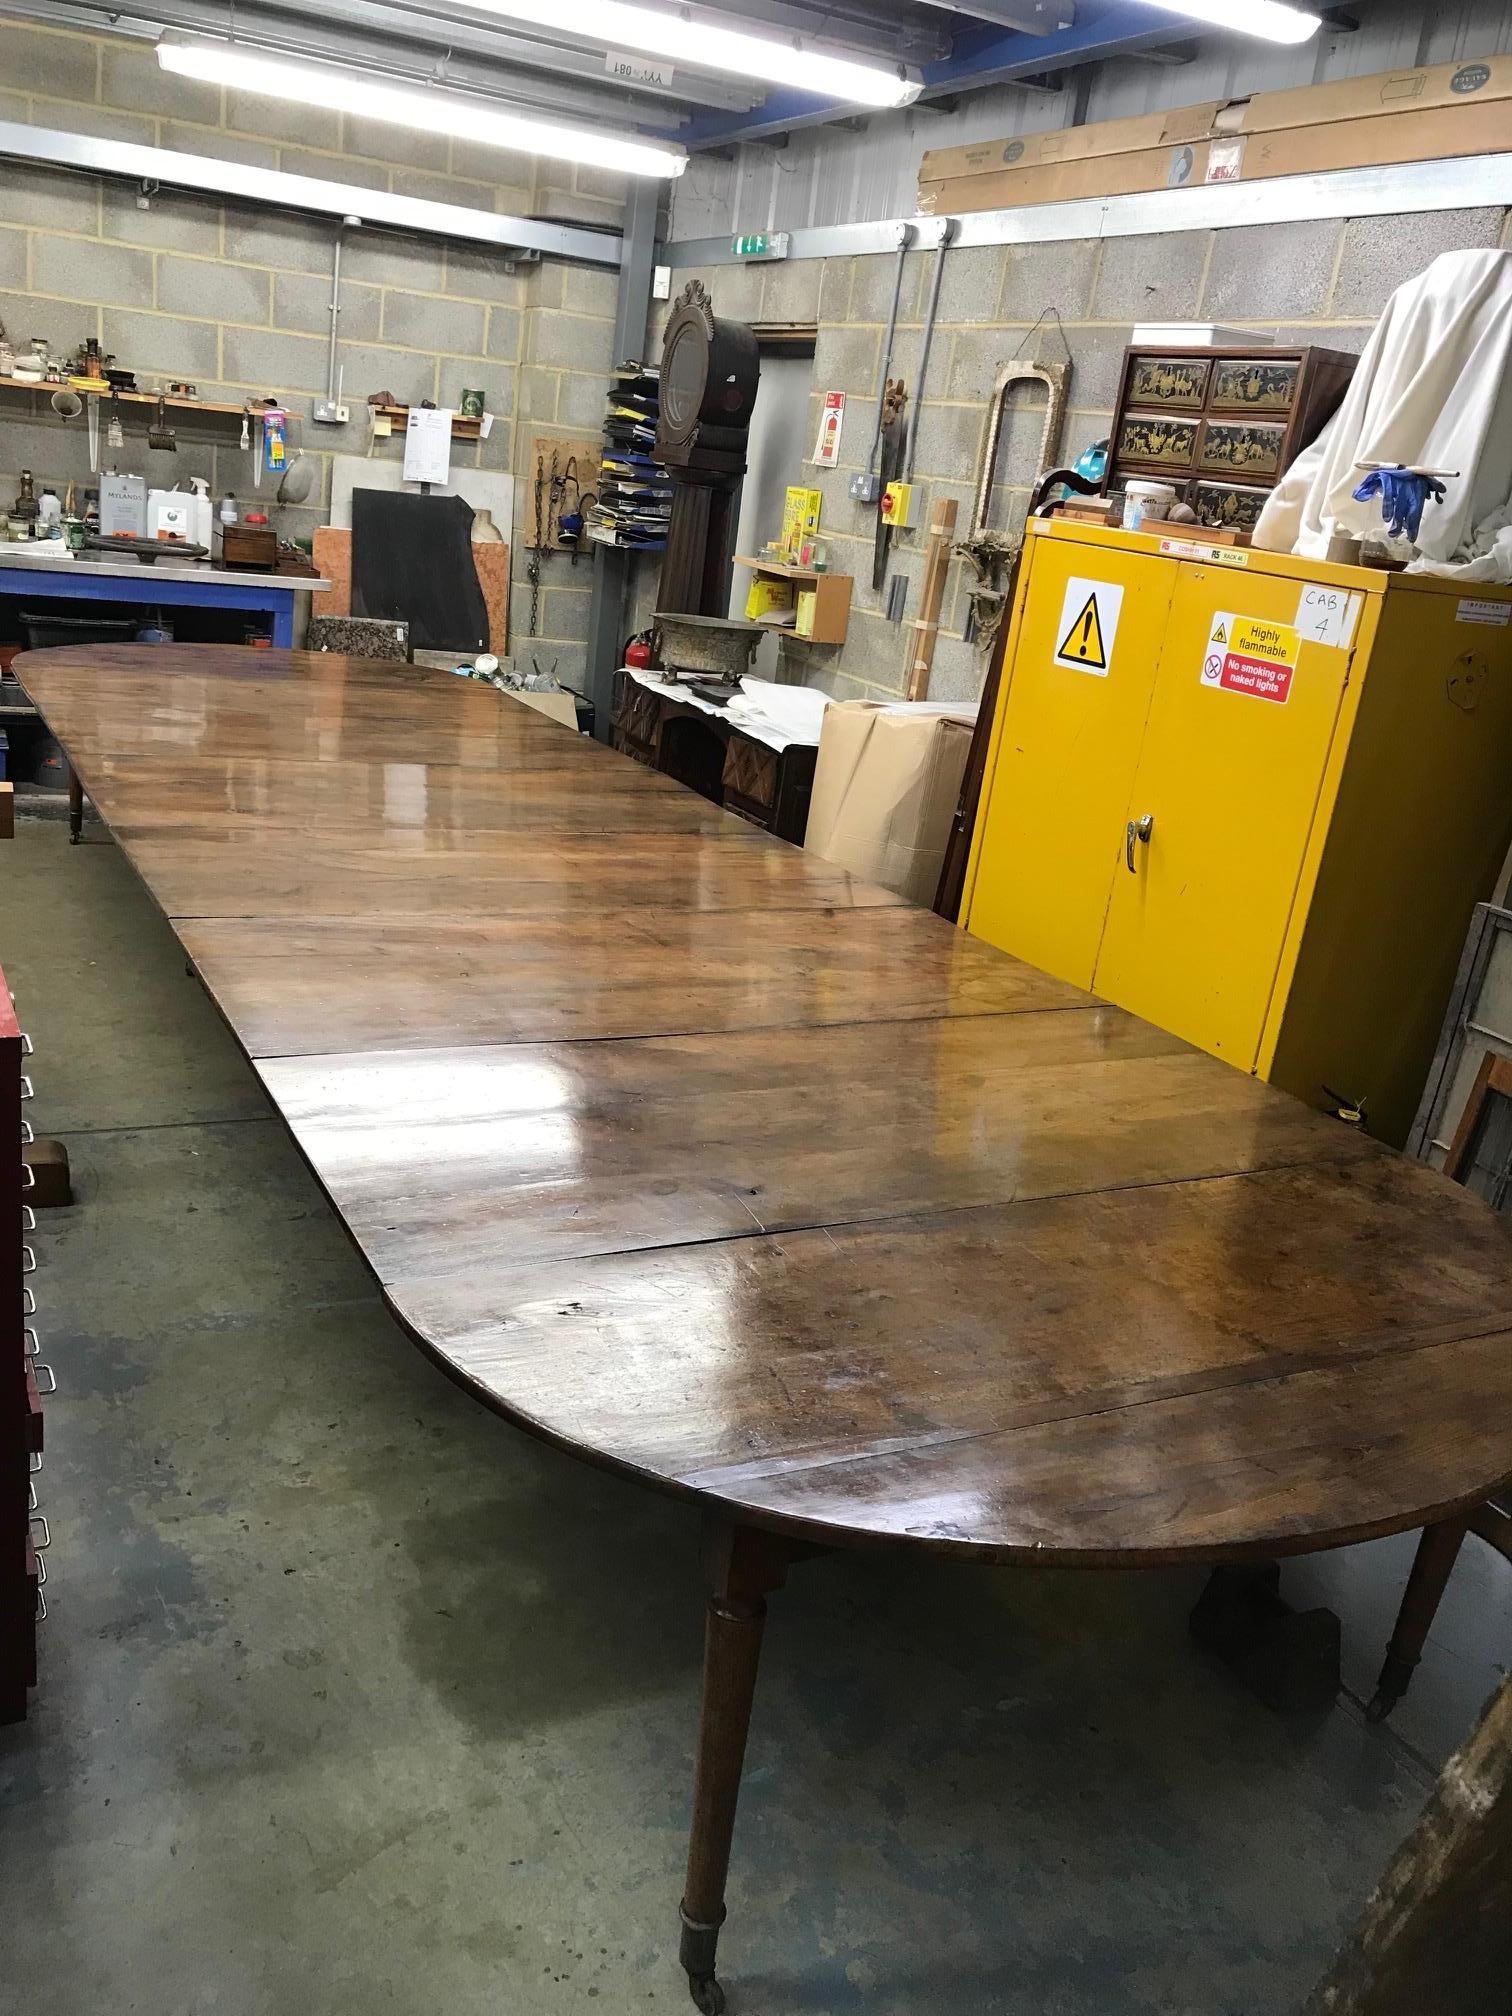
column 40, row 1519
column 28, row 1177
column 41, row 1570
column 28, row 1302
column 27, row 1045
column 29, row 1341
column 41, row 1606
column 26, row 1087
column 28, row 1260
column 34, row 1461
column 1138, row 829
column 38, row 1368
column 28, row 1218
column 27, row 1136
column 31, row 1496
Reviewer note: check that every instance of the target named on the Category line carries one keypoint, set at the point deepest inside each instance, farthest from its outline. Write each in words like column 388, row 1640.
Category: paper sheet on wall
column 427, row 445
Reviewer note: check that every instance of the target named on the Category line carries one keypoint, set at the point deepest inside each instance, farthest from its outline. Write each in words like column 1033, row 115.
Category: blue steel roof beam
column 979, row 57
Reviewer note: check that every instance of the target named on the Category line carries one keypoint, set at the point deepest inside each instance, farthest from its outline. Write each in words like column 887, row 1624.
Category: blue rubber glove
column 1403, row 497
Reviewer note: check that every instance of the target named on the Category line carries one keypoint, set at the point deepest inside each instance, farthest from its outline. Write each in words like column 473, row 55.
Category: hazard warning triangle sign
column 1088, row 625
column 1083, row 642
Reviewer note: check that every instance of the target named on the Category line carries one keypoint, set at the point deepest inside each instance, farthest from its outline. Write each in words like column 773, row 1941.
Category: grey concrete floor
column 355, row 1699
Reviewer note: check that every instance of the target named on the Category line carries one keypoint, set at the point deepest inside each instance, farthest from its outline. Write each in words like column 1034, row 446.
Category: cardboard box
column 1066, row 182
column 1447, row 85
column 1434, row 135
column 1179, row 128
column 885, row 790
column 1429, row 114
column 800, row 519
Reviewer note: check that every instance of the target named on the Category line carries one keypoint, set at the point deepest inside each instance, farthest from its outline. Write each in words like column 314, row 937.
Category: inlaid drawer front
column 1157, row 440
column 1256, row 384
column 1169, row 381
column 642, row 716
column 1242, row 447
column 750, row 771
column 1229, row 506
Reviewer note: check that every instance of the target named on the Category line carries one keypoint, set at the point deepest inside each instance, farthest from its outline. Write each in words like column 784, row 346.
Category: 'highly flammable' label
column 1247, row 655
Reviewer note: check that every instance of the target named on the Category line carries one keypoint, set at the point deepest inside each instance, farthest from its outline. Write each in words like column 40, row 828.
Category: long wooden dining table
column 692, row 1154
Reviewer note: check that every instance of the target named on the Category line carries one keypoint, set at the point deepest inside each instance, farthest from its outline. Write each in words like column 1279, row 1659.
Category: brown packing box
column 1109, row 175
column 1127, row 156
column 1073, row 143
column 885, row 791
column 1434, row 135
column 1386, row 91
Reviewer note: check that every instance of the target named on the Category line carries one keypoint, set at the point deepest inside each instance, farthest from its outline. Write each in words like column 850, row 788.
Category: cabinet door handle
column 1138, row 829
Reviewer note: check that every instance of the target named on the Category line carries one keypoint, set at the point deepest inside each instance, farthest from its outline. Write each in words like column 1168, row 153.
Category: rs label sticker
column 1246, row 655
column 1088, row 627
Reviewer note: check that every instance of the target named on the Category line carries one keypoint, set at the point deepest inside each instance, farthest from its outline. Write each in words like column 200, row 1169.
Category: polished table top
column 713, row 1164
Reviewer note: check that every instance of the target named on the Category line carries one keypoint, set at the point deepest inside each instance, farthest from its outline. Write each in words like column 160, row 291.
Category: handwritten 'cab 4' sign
column 1246, row 654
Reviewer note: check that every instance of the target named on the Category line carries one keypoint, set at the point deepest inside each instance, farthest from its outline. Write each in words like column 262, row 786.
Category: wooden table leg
column 744, row 1566
column 1438, row 1550
column 75, row 807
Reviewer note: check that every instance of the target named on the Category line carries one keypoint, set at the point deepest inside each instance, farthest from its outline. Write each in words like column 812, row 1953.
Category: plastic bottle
column 201, row 514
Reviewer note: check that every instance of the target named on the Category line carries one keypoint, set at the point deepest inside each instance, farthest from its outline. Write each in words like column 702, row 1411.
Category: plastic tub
column 1146, row 500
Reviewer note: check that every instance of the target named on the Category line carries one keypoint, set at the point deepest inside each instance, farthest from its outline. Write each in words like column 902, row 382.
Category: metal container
column 711, row 647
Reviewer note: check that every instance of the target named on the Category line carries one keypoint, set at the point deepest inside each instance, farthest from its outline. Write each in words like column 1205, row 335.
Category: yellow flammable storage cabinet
column 1249, row 797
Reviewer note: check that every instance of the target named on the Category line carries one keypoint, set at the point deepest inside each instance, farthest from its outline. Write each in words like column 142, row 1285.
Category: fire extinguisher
column 640, row 654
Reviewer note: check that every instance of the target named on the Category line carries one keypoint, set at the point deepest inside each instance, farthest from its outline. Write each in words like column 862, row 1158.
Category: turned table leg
column 75, row 807
column 1438, row 1550
column 744, row 1566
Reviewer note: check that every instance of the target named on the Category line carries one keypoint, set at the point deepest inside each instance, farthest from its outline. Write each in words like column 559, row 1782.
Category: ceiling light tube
column 706, row 45
column 1271, row 20
column 424, row 110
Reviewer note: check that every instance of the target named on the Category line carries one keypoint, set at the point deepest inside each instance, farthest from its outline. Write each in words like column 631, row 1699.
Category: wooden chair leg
column 744, row 1566
column 75, row 807
column 1438, row 1550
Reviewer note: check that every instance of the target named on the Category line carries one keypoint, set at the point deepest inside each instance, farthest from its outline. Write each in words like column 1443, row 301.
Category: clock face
column 685, row 372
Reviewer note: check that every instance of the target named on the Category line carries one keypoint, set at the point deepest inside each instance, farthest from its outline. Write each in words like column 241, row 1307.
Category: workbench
column 166, row 584
column 692, row 1155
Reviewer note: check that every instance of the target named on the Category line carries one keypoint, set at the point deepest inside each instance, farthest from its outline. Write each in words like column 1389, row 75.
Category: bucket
column 1146, row 500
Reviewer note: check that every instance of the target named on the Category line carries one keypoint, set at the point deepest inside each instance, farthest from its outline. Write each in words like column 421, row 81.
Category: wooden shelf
column 786, row 569
column 832, row 593
column 46, row 388
column 462, row 429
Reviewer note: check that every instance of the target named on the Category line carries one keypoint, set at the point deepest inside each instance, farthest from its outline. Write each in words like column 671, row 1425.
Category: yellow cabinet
column 1249, row 797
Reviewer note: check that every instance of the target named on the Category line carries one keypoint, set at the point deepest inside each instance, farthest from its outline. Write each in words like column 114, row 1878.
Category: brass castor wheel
column 695, row 1955
column 1396, row 1678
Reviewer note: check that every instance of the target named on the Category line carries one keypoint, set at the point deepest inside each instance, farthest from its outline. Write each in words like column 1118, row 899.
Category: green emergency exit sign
column 761, row 245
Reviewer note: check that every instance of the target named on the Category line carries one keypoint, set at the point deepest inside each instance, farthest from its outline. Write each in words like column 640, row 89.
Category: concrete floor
column 355, row 1699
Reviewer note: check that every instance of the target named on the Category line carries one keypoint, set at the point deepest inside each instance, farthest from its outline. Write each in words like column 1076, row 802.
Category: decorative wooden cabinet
column 722, row 760
column 23, row 1529
column 1222, row 425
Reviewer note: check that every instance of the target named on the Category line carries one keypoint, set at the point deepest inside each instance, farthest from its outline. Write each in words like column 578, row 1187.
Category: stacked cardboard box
column 1433, row 114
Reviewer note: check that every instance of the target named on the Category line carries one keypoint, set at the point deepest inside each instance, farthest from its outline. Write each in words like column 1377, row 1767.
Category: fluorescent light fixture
column 760, row 59
column 425, row 111
column 1271, row 20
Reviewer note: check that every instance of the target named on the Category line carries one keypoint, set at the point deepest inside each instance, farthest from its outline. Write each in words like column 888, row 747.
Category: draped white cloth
column 1433, row 389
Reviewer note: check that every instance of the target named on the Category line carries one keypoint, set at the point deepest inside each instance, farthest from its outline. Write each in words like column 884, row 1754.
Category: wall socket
column 331, row 413
column 866, row 488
